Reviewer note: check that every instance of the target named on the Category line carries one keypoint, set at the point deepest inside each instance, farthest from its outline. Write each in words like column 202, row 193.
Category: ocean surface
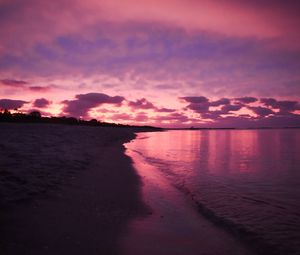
column 245, row 181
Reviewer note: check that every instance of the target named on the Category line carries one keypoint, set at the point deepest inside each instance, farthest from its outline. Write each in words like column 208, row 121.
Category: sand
column 65, row 189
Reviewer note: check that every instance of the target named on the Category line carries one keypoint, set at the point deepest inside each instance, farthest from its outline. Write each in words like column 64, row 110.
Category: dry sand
column 65, row 189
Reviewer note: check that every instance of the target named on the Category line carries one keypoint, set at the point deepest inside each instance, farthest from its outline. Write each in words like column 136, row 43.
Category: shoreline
column 82, row 210
column 97, row 198
column 174, row 225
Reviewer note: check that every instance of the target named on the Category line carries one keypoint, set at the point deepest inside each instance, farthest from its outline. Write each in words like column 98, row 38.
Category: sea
column 244, row 181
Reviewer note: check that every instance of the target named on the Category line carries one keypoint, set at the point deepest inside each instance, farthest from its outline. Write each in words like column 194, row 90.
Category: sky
column 167, row 63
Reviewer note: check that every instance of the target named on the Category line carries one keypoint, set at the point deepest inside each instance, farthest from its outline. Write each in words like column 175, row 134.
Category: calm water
column 246, row 181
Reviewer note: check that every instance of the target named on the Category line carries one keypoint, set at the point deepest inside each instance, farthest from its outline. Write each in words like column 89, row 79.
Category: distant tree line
column 36, row 117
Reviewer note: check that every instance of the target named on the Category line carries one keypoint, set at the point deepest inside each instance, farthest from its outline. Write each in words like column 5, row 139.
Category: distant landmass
column 36, row 117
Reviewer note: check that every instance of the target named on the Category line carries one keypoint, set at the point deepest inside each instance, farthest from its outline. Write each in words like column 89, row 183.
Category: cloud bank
column 197, row 111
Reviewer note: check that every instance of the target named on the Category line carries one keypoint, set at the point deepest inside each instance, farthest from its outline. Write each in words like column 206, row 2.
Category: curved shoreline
column 174, row 225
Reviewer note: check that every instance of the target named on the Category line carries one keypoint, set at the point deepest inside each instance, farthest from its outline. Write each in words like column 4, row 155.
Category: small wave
column 244, row 229
column 254, row 241
column 256, row 200
column 143, row 137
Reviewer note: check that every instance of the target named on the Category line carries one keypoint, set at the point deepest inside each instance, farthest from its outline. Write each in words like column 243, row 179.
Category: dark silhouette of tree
column 36, row 117
column 35, row 114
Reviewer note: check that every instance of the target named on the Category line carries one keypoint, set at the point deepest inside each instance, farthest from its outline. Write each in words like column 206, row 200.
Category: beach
column 65, row 189
column 77, row 190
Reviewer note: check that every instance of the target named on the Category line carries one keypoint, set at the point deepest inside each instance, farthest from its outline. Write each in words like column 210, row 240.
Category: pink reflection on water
column 173, row 225
column 247, row 177
column 221, row 152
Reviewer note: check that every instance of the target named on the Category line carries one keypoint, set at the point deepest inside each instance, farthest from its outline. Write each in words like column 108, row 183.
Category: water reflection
column 226, row 152
column 249, row 178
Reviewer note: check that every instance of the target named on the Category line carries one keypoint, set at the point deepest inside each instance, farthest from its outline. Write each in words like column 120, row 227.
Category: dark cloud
column 225, row 109
column 261, row 111
column 292, row 120
column 213, row 115
column 84, row 102
column 39, row 88
column 283, row 106
column 200, row 108
column 201, row 105
column 11, row 104
column 195, row 100
column 13, row 83
column 246, row 100
column 222, row 101
column 99, row 98
column 141, row 104
column 41, row 103
column 288, row 106
column 19, row 84
column 228, row 112
column 269, row 102
column 165, row 110
column 146, row 105
column 197, row 104
column 230, row 108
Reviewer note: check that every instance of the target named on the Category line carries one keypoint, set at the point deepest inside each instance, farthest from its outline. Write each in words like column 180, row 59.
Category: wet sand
column 173, row 225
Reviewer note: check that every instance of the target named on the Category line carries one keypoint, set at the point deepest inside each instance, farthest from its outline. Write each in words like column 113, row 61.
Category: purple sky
column 166, row 63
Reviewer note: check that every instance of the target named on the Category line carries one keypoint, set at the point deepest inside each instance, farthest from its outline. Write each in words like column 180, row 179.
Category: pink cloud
column 121, row 117
column 85, row 102
column 234, row 18
column 138, row 36
column 141, row 117
column 176, row 119
column 220, row 49
column 238, row 18
column 165, row 110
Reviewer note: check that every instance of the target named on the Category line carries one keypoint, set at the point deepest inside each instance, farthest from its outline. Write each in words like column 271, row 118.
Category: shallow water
column 245, row 181
column 172, row 225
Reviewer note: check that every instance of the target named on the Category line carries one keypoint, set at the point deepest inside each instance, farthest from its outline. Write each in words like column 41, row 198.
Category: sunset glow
column 165, row 63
